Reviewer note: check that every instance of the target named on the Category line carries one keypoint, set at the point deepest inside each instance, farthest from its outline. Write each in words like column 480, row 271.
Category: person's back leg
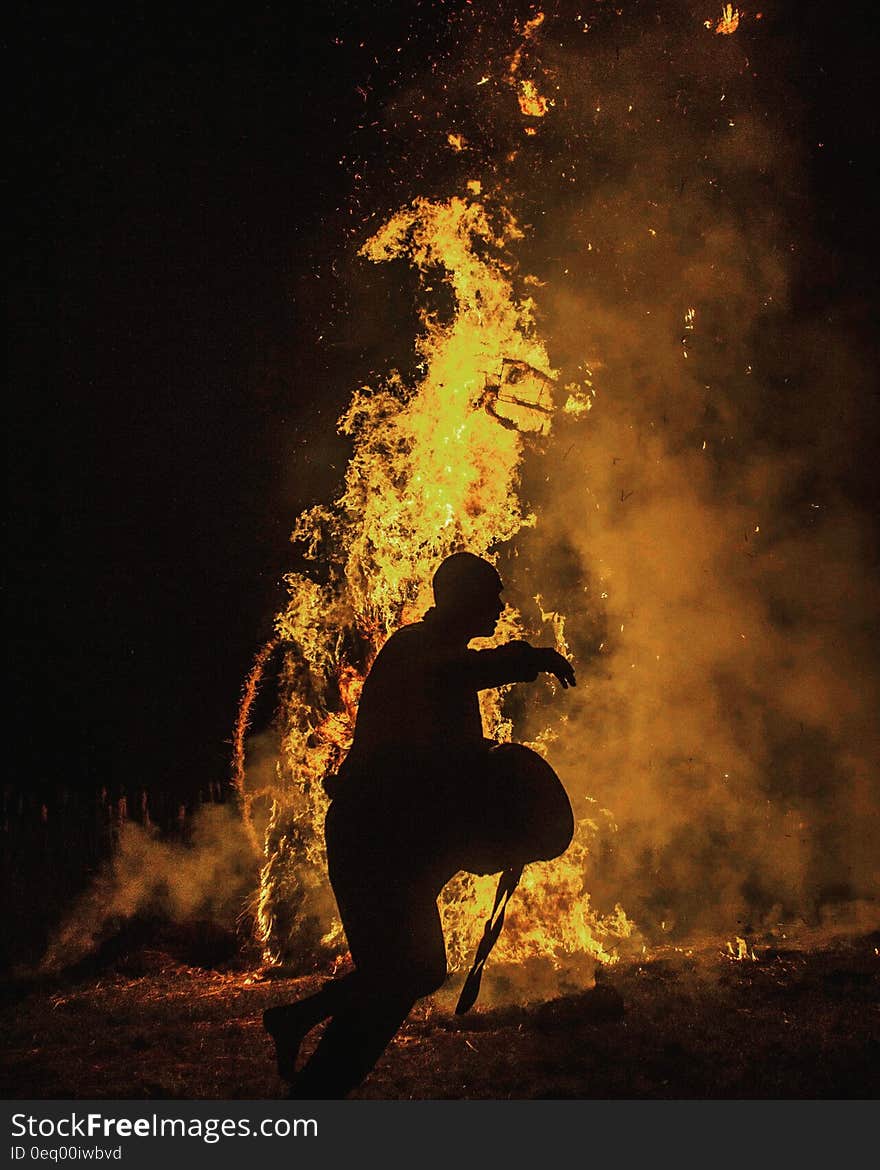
column 352, row 1043
column 288, row 1024
column 400, row 960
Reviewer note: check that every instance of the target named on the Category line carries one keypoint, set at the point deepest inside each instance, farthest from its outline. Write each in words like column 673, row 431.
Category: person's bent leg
column 353, row 1041
column 409, row 964
column 288, row 1024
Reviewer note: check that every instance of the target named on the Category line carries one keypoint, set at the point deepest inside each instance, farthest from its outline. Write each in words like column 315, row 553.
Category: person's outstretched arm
column 552, row 662
column 514, row 662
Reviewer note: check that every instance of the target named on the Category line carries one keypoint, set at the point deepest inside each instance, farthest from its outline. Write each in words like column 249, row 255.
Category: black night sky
column 182, row 340
column 173, row 178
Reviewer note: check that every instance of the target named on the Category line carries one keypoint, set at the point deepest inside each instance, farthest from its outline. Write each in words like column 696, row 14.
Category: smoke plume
column 704, row 528
column 210, row 878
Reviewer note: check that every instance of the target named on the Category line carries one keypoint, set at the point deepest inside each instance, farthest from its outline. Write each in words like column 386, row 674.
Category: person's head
column 467, row 592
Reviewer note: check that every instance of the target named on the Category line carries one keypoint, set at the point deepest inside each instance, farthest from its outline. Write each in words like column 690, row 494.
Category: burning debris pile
column 612, row 395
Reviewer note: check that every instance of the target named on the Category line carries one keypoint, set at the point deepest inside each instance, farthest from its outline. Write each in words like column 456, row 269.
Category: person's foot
column 288, row 1026
column 297, row 1092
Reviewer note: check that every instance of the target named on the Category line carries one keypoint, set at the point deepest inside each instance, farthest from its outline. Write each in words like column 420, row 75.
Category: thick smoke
column 209, row 878
column 703, row 522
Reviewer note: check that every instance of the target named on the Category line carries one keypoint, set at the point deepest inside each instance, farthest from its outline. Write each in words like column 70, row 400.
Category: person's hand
column 553, row 663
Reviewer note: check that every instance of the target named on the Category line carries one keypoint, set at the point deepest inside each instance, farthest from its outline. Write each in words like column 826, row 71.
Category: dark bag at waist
column 520, row 813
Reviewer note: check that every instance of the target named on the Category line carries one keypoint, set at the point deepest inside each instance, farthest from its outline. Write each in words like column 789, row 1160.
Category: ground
column 172, row 1014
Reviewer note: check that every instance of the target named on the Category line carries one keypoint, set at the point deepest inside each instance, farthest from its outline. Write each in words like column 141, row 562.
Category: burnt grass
column 176, row 1014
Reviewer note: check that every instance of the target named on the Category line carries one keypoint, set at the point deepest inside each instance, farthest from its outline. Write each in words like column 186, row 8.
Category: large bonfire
column 596, row 206
column 435, row 469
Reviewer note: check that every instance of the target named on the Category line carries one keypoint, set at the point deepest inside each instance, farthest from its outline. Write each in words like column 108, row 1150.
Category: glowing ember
column 740, row 950
column 246, row 785
column 530, row 101
column 729, row 21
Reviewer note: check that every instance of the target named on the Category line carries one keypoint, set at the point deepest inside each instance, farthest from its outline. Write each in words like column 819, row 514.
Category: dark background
column 186, row 195
column 181, row 187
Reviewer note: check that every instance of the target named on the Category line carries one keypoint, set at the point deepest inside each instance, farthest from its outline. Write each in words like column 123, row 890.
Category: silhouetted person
column 417, row 800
